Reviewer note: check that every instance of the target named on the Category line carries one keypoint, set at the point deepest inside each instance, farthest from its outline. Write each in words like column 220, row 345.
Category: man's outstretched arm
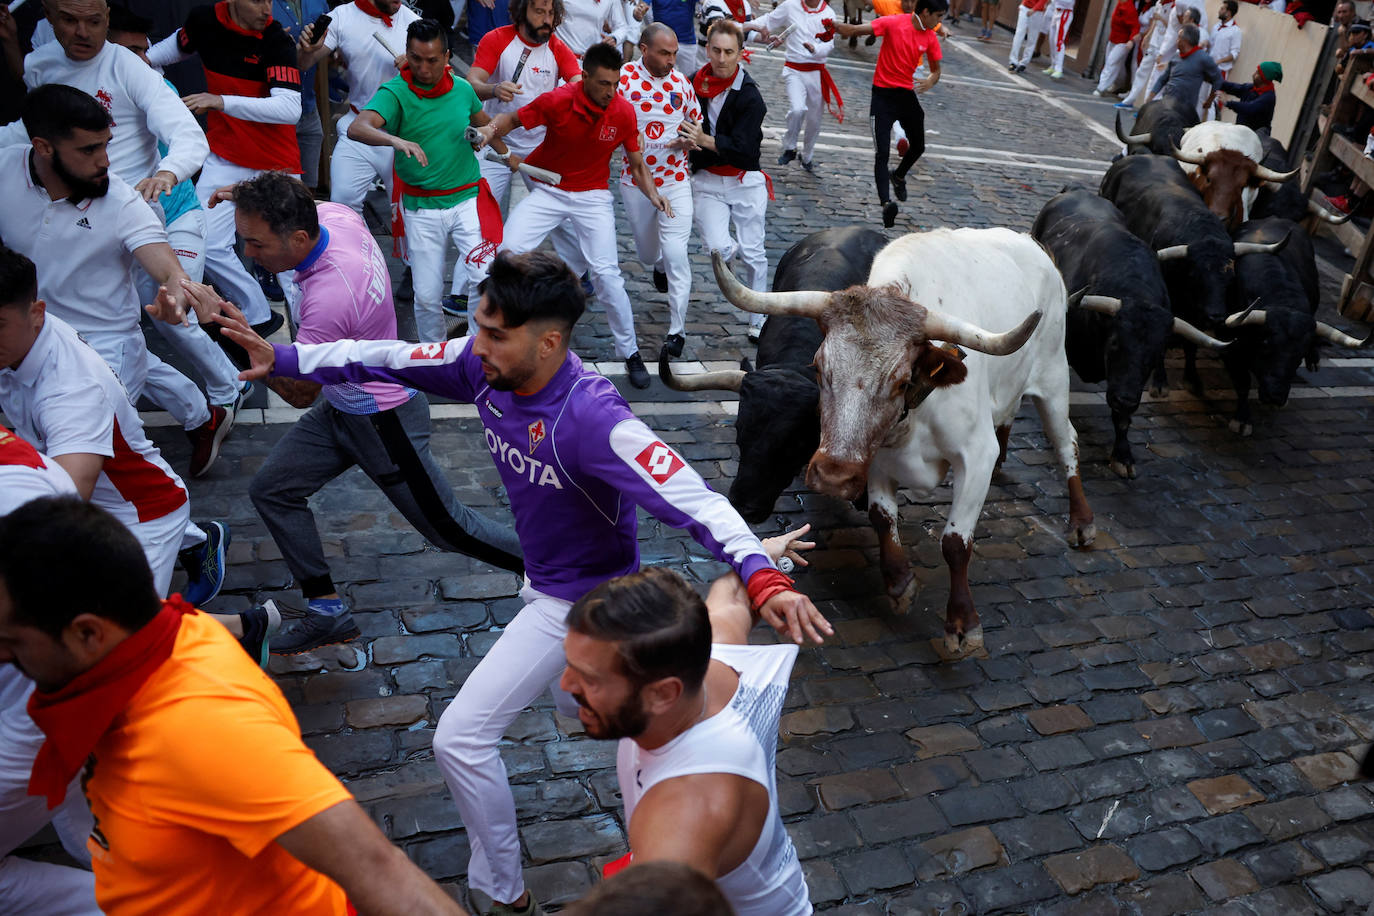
column 732, row 617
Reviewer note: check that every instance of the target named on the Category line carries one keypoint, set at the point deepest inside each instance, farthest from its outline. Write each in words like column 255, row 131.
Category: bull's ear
column 938, row 367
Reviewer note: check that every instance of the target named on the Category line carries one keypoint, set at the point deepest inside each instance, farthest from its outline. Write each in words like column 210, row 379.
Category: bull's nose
column 835, row 477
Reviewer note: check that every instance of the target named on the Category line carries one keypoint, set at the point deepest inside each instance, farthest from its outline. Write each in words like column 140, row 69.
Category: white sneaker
column 1056, row 74
column 1098, row 93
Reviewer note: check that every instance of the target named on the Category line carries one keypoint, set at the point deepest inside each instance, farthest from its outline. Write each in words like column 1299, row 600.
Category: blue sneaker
column 204, row 565
column 587, row 288
column 1126, row 106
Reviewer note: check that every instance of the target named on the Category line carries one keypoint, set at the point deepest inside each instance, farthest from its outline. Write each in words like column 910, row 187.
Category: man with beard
column 383, row 429
column 662, row 99
column 586, row 123
column 727, row 185
column 575, row 462
column 696, row 711
column 355, row 166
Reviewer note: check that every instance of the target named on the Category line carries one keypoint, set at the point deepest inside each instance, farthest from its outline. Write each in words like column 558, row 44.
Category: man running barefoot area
column 906, row 39
column 576, row 463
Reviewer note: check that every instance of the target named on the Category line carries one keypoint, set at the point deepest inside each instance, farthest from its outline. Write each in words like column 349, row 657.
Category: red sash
column 830, row 93
column 488, row 215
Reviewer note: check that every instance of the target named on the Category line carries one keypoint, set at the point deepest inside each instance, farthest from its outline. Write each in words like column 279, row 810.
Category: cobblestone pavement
column 1166, row 723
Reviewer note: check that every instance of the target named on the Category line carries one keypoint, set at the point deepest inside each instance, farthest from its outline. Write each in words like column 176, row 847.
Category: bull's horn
column 1267, row 174
column 1194, row 336
column 1262, row 247
column 1251, row 317
column 1107, row 305
column 807, row 304
column 1172, row 253
column 1128, row 139
column 939, row 326
column 1337, row 336
column 1181, row 156
column 725, row 380
column 1323, row 213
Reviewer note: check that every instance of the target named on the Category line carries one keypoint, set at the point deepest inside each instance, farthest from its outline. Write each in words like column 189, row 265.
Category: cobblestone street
column 1166, row 723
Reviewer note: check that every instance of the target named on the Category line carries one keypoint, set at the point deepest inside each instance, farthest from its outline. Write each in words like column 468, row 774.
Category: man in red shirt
column 1121, row 39
column 585, row 123
column 906, row 38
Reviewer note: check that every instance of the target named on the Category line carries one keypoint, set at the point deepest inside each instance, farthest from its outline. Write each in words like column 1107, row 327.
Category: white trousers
column 1029, row 26
column 1144, row 76
column 720, row 201
column 498, row 179
column 524, row 662
column 355, row 166
column 690, row 57
column 1115, row 67
column 803, row 111
column 1057, row 27
column 163, row 538
column 142, row 373
column 428, row 233
column 661, row 243
column 222, row 263
column 590, row 216
column 186, row 235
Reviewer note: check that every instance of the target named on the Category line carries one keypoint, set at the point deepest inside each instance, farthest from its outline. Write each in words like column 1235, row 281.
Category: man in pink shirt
column 345, row 294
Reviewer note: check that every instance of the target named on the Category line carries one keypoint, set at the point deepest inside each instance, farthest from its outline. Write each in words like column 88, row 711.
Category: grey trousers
column 392, row 448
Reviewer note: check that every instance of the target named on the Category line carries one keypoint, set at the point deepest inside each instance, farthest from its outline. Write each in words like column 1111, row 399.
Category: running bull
column 1224, row 162
column 899, row 409
column 1158, row 127
column 778, row 427
column 1119, row 319
column 1197, row 255
column 1277, row 329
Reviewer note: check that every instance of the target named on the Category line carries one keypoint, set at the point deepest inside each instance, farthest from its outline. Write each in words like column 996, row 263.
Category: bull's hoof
column 1083, row 534
column 1241, row 429
column 1123, row 469
column 1159, row 392
column 969, row 643
column 902, row 602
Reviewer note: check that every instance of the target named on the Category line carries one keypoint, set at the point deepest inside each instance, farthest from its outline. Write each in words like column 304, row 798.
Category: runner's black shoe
column 634, row 367
column 898, row 186
column 889, row 214
column 302, row 634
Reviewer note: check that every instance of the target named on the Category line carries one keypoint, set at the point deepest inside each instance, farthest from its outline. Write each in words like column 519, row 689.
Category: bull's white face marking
column 858, row 399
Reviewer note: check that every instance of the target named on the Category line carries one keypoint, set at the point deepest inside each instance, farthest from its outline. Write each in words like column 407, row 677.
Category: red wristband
column 765, row 583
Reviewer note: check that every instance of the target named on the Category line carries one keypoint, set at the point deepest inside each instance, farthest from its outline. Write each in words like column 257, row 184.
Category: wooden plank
column 1362, row 92
column 1354, row 158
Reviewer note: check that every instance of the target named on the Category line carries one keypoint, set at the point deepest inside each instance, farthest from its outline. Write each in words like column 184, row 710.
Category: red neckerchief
column 738, row 10
column 367, row 7
column 222, row 14
column 75, row 718
column 444, row 85
column 709, row 86
column 1262, row 88
column 1183, row 55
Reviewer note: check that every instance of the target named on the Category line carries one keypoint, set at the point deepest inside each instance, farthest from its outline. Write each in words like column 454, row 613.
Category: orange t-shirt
column 887, row 7
column 193, row 784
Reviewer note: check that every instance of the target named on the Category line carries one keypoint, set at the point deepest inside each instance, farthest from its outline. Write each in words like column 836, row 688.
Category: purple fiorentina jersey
column 575, row 460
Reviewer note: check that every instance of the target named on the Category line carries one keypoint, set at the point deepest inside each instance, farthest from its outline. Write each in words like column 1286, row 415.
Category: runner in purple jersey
column 575, row 462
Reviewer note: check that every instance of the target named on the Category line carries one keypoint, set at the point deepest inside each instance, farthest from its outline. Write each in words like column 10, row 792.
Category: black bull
column 778, row 428
column 1158, row 128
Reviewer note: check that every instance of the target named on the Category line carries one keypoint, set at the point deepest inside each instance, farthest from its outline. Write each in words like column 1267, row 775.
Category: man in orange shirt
column 205, row 798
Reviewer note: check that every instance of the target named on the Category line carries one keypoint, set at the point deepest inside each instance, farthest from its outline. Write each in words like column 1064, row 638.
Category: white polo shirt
column 586, row 22
column 64, row 400
column 807, row 26
column 1225, row 40
column 660, row 104
column 369, row 64
column 27, row 474
column 144, row 107
column 502, row 52
column 84, row 251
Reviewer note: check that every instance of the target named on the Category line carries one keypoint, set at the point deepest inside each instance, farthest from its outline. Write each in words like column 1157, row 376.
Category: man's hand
column 9, row 29
column 690, row 131
column 640, row 9
column 662, row 204
column 200, row 102
column 489, row 4
column 152, row 188
column 203, row 300
column 789, row 544
column 488, row 131
column 261, row 356
column 506, row 91
column 792, row 614
column 924, row 85
column 410, row 149
column 166, row 307
column 399, row 60
column 224, row 195
column 514, row 160
column 309, row 42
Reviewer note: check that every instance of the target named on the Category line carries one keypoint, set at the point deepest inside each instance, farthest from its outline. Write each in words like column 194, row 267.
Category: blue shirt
column 482, row 20
column 311, row 10
column 680, row 16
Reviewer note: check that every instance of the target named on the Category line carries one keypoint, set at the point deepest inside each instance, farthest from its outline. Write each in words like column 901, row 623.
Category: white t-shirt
column 660, row 104
column 583, row 22
column 63, row 399
column 27, row 474
column 741, row 740
column 145, row 109
column 501, row 53
column 1061, row 6
column 84, row 251
column 369, row 64
column 1225, row 40
column 816, row 27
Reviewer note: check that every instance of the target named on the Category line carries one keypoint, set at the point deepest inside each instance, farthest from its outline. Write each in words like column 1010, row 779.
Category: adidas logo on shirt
column 84, row 223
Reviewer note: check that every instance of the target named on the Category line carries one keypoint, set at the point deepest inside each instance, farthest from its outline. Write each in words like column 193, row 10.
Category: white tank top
column 742, row 740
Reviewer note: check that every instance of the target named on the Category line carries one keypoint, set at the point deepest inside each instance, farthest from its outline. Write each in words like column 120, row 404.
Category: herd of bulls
column 894, row 364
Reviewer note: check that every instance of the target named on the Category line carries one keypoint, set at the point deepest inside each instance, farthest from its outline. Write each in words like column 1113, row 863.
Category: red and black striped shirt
column 243, row 62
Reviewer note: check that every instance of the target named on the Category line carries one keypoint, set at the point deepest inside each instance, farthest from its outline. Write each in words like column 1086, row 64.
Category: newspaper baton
column 382, row 41
column 473, row 135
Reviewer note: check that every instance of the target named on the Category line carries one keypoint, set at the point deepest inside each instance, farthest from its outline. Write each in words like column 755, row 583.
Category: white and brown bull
column 898, row 409
column 1225, row 163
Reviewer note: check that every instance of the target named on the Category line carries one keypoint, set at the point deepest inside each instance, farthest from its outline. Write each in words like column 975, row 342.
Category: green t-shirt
column 437, row 125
